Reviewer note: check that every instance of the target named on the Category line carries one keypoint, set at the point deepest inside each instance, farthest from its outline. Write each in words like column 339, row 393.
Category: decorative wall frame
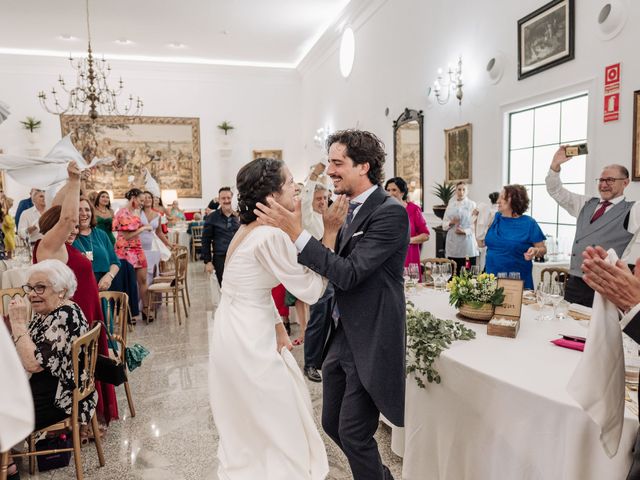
column 277, row 154
column 635, row 163
column 408, row 148
column 168, row 146
column 458, row 142
column 546, row 38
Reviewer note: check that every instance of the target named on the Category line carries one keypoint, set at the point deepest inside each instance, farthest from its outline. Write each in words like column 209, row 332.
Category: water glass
column 436, row 271
column 561, row 310
column 445, row 271
column 475, row 270
column 502, row 275
column 555, row 294
column 414, row 272
column 542, row 297
column 514, row 275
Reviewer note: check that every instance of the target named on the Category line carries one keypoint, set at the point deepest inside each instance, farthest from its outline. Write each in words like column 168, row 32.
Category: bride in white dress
column 260, row 403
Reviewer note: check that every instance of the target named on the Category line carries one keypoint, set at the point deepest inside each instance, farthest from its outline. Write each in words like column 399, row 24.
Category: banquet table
column 502, row 410
column 183, row 238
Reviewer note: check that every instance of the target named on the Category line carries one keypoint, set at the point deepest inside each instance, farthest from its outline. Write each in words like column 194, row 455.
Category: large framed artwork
column 635, row 164
column 169, row 147
column 546, row 38
column 458, row 153
column 407, row 150
column 277, row 154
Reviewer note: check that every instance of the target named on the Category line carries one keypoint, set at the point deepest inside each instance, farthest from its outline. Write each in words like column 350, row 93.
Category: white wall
column 262, row 103
column 400, row 47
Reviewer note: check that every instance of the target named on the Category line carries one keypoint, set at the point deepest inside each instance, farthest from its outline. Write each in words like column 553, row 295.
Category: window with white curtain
column 535, row 133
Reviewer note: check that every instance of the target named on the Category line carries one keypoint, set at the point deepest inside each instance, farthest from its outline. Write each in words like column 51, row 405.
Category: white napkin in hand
column 597, row 383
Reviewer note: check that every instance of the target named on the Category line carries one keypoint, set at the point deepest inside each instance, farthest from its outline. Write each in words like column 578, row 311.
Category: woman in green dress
column 104, row 214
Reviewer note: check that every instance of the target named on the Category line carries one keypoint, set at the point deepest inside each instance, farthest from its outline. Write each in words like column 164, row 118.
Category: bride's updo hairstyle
column 255, row 182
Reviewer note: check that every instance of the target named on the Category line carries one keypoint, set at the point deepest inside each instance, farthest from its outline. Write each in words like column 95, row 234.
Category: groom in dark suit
column 364, row 366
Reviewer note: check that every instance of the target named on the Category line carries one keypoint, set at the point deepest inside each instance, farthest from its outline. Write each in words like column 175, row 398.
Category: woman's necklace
column 87, row 252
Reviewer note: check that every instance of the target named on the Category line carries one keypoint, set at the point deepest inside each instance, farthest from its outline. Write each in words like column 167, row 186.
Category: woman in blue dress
column 514, row 239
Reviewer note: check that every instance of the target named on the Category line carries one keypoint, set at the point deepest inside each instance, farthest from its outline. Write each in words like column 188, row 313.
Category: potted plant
column 226, row 126
column 31, row 124
column 475, row 297
column 444, row 191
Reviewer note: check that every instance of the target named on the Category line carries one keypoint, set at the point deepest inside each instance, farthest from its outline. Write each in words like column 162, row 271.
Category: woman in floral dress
column 129, row 226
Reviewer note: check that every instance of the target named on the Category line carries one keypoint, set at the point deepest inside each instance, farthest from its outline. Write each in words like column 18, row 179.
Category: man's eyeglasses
column 38, row 288
column 608, row 180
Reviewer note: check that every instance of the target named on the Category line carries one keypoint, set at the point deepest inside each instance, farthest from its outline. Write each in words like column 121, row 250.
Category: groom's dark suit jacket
column 367, row 272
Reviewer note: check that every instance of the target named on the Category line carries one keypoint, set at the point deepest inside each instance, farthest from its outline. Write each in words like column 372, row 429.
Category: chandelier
column 444, row 86
column 91, row 91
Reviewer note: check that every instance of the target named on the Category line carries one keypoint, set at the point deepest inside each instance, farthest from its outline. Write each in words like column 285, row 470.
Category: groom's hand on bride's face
column 276, row 215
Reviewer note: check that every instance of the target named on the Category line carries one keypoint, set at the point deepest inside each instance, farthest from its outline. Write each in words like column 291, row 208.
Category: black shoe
column 287, row 327
column 312, row 374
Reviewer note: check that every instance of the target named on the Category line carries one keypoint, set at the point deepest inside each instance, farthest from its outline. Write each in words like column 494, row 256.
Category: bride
column 259, row 400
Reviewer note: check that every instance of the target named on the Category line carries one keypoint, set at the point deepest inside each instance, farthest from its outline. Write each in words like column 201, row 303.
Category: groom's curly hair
column 255, row 182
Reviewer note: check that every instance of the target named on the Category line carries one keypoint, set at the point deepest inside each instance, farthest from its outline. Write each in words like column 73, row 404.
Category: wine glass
column 475, row 270
column 414, row 272
column 541, row 299
column 405, row 275
column 555, row 295
column 436, row 272
column 445, row 271
column 514, row 275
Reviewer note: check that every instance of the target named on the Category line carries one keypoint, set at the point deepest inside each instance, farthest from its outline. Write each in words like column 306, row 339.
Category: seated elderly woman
column 514, row 239
column 44, row 341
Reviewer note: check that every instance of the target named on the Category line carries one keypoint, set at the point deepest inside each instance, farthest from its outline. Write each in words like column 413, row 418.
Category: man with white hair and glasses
column 608, row 220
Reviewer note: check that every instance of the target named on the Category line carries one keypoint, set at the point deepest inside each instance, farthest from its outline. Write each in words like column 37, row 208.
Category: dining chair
column 440, row 260
column 557, row 274
column 196, row 241
column 115, row 308
column 172, row 287
column 84, row 353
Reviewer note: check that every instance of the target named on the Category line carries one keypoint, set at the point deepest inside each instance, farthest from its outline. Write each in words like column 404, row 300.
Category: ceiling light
column 347, row 52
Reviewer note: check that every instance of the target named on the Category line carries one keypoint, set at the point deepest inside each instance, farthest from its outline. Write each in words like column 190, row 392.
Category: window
column 535, row 134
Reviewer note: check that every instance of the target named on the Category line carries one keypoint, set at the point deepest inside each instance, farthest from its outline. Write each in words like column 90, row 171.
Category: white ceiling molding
column 356, row 14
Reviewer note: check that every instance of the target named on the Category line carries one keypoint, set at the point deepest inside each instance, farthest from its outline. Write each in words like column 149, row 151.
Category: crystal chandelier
column 91, row 92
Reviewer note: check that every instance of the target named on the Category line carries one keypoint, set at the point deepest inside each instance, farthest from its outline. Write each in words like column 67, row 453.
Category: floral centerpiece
column 475, row 297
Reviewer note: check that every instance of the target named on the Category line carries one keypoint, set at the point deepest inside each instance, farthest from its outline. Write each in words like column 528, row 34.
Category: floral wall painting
column 458, row 153
column 277, row 154
column 635, row 174
column 546, row 38
column 169, row 147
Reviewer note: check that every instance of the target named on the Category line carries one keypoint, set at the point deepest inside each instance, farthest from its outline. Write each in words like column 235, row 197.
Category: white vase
column 33, row 137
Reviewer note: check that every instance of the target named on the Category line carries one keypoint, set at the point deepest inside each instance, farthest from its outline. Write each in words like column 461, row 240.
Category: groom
column 363, row 370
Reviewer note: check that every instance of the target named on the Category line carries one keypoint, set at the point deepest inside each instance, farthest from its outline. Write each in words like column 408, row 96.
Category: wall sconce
column 444, row 85
column 320, row 138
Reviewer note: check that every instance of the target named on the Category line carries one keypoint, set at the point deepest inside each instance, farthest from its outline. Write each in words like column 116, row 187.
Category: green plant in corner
column 226, row 126
column 444, row 191
column 427, row 338
column 31, row 124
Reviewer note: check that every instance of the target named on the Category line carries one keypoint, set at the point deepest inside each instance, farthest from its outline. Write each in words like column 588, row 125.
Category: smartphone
column 574, row 338
column 575, row 150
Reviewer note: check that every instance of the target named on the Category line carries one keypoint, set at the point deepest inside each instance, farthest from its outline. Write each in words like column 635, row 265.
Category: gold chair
column 11, row 293
column 173, row 287
column 196, row 240
column 84, row 374
column 115, row 306
column 454, row 266
column 560, row 274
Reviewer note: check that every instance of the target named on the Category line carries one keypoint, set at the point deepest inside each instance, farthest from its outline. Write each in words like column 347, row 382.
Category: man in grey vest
column 608, row 220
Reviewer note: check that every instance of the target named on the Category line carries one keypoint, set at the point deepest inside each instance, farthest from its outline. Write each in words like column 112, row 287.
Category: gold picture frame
column 458, row 143
column 277, row 154
column 168, row 146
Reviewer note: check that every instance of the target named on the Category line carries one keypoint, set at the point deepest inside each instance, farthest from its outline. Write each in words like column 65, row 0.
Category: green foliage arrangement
column 427, row 337
column 226, row 126
column 444, row 191
column 31, row 124
column 476, row 291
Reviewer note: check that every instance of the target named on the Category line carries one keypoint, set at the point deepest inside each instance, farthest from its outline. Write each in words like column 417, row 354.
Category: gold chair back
column 454, row 266
column 557, row 274
column 6, row 295
column 84, row 354
column 115, row 306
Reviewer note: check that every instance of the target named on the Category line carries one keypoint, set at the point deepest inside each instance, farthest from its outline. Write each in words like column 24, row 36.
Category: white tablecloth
column 184, row 238
column 502, row 410
column 538, row 267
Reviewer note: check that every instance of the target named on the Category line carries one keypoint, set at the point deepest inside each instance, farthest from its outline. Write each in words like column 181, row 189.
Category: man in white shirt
column 28, row 227
column 314, row 201
column 608, row 220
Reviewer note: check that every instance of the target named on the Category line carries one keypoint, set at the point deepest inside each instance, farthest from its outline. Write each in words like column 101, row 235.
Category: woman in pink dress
column 398, row 188
column 129, row 226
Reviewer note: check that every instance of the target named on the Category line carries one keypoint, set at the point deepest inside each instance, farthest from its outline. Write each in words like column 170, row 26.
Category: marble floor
column 173, row 435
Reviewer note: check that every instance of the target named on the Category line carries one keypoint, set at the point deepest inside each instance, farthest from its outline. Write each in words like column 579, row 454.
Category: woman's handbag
column 134, row 356
column 109, row 370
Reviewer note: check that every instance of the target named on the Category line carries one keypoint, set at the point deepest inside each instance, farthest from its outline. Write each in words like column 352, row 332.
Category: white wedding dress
column 260, row 403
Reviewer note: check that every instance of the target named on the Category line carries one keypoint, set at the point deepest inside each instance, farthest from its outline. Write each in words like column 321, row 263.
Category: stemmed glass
column 414, row 272
column 445, row 271
column 556, row 295
column 436, row 272
column 542, row 290
column 474, row 270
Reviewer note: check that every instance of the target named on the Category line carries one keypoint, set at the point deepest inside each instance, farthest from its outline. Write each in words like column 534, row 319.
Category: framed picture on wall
column 546, row 38
column 457, row 156
column 169, row 147
column 277, row 154
column 635, row 164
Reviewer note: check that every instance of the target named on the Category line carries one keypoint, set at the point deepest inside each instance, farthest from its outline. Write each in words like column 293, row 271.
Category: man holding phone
column 608, row 220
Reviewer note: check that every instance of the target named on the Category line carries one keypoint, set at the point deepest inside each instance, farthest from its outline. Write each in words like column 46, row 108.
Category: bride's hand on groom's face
column 275, row 215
